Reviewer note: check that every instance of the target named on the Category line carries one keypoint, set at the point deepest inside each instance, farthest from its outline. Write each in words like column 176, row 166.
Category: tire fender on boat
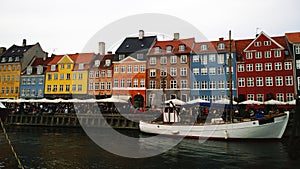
column 225, row 134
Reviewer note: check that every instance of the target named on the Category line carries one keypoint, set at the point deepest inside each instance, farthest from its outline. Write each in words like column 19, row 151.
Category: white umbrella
column 225, row 101
column 274, row 102
column 197, row 101
column 176, row 101
column 293, row 102
column 2, row 105
column 251, row 102
column 17, row 101
column 111, row 100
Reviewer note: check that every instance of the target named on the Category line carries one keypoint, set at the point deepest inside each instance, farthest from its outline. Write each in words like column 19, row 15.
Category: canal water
column 60, row 148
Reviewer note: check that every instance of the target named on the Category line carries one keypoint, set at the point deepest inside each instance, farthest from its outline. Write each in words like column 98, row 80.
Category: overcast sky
column 65, row 26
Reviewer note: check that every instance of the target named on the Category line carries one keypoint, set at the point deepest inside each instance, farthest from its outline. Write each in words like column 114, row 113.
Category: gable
column 65, row 59
column 129, row 59
column 261, row 38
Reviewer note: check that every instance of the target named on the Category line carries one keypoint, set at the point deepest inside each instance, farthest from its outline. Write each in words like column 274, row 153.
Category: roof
column 41, row 61
column 212, row 46
column 134, row 44
column 189, row 43
column 15, row 50
column 293, row 37
column 241, row 45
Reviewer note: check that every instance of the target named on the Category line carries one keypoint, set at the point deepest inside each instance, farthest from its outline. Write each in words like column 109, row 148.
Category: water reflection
column 71, row 148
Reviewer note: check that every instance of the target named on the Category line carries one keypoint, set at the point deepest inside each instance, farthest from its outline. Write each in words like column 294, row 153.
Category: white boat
column 271, row 127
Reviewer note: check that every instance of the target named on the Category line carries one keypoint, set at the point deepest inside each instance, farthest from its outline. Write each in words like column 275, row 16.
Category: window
column 163, row 60
column 61, row 88
column 81, row 66
column 152, row 60
column 55, row 76
column 135, row 83
column 61, row 76
column 40, row 80
column 195, row 58
column 163, row 72
column 204, row 71
column 183, row 59
column 278, row 66
column 142, row 82
column 116, row 69
column 268, row 66
column 54, row 88
column 169, row 49
column 116, row 83
column 157, row 49
column 259, row 81
column 241, row 68
column 121, row 56
column 74, row 76
column 107, row 62
column 277, row 53
column 97, row 74
column 260, row 97
column 163, row 84
column 181, row 48
column 39, row 70
column 12, row 90
column 269, row 81
column 97, row 85
column 297, row 64
column 173, row 84
column 79, row 88
column 129, row 69
column 91, row 74
column 108, row 85
column 62, row 66
column 221, row 84
column 267, row 54
column 136, row 69
column 108, row 73
column 173, row 59
column 204, row 85
column 221, row 46
column 278, row 81
column 122, row 83
column 241, row 82
column 250, row 82
column 258, row 55
column 48, row 88
column 288, row 65
column 196, row 85
column 68, row 66
column 152, row 72
column 32, row 80
column 129, row 83
column 196, row 71
column 91, row 87
column 257, row 43
column 211, row 58
column 258, row 67
column 140, row 56
column 49, row 77
column 183, row 71
column 267, row 43
column 203, row 47
column 102, row 86
column 53, row 67
column 204, row 59
column 221, row 59
column 122, row 69
column 183, row 84
column 248, row 55
column 212, row 71
column 212, row 84
column 289, row 96
column 249, row 67
column 297, row 49
column 80, row 76
column 280, row 97
column 29, row 70
column 220, row 70
column 173, row 71
column 142, row 68
column 250, row 96
column 152, row 84
column 288, row 80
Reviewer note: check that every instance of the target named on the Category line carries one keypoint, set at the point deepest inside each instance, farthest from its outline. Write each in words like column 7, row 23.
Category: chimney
column 176, row 36
column 109, row 52
column 24, row 42
column 141, row 34
column 101, row 48
column 221, row 39
column 2, row 50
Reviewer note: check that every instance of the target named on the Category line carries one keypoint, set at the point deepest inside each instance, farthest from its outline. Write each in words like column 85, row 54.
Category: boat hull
column 244, row 130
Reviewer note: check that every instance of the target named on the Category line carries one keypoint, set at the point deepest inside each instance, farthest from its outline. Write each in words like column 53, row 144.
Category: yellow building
column 67, row 76
column 12, row 62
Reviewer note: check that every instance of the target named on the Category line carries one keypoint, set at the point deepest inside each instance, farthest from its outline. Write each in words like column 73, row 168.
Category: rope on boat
column 11, row 146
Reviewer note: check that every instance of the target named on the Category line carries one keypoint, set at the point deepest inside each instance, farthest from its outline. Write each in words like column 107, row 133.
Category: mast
column 230, row 77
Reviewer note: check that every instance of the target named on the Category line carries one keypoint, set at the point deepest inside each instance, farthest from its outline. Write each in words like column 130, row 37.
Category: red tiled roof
column 293, row 37
column 41, row 61
column 241, row 45
column 281, row 41
column 175, row 44
column 213, row 46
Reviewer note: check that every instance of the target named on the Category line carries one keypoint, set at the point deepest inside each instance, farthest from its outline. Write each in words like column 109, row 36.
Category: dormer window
column 53, row 67
column 157, row 49
column 29, row 70
column 107, row 62
column 39, row 70
column 97, row 63
column 140, row 56
column 169, row 49
column 203, row 47
column 10, row 59
column 3, row 59
column 221, row 46
column 181, row 48
column 257, row 43
column 121, row 56
column 17, row 58
column 81, row 66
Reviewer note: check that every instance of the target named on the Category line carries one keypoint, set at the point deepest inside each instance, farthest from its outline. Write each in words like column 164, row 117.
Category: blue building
column 32, row 80
column 210, row 70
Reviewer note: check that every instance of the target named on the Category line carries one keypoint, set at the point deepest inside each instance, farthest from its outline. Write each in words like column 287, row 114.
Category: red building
column 264, row 69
